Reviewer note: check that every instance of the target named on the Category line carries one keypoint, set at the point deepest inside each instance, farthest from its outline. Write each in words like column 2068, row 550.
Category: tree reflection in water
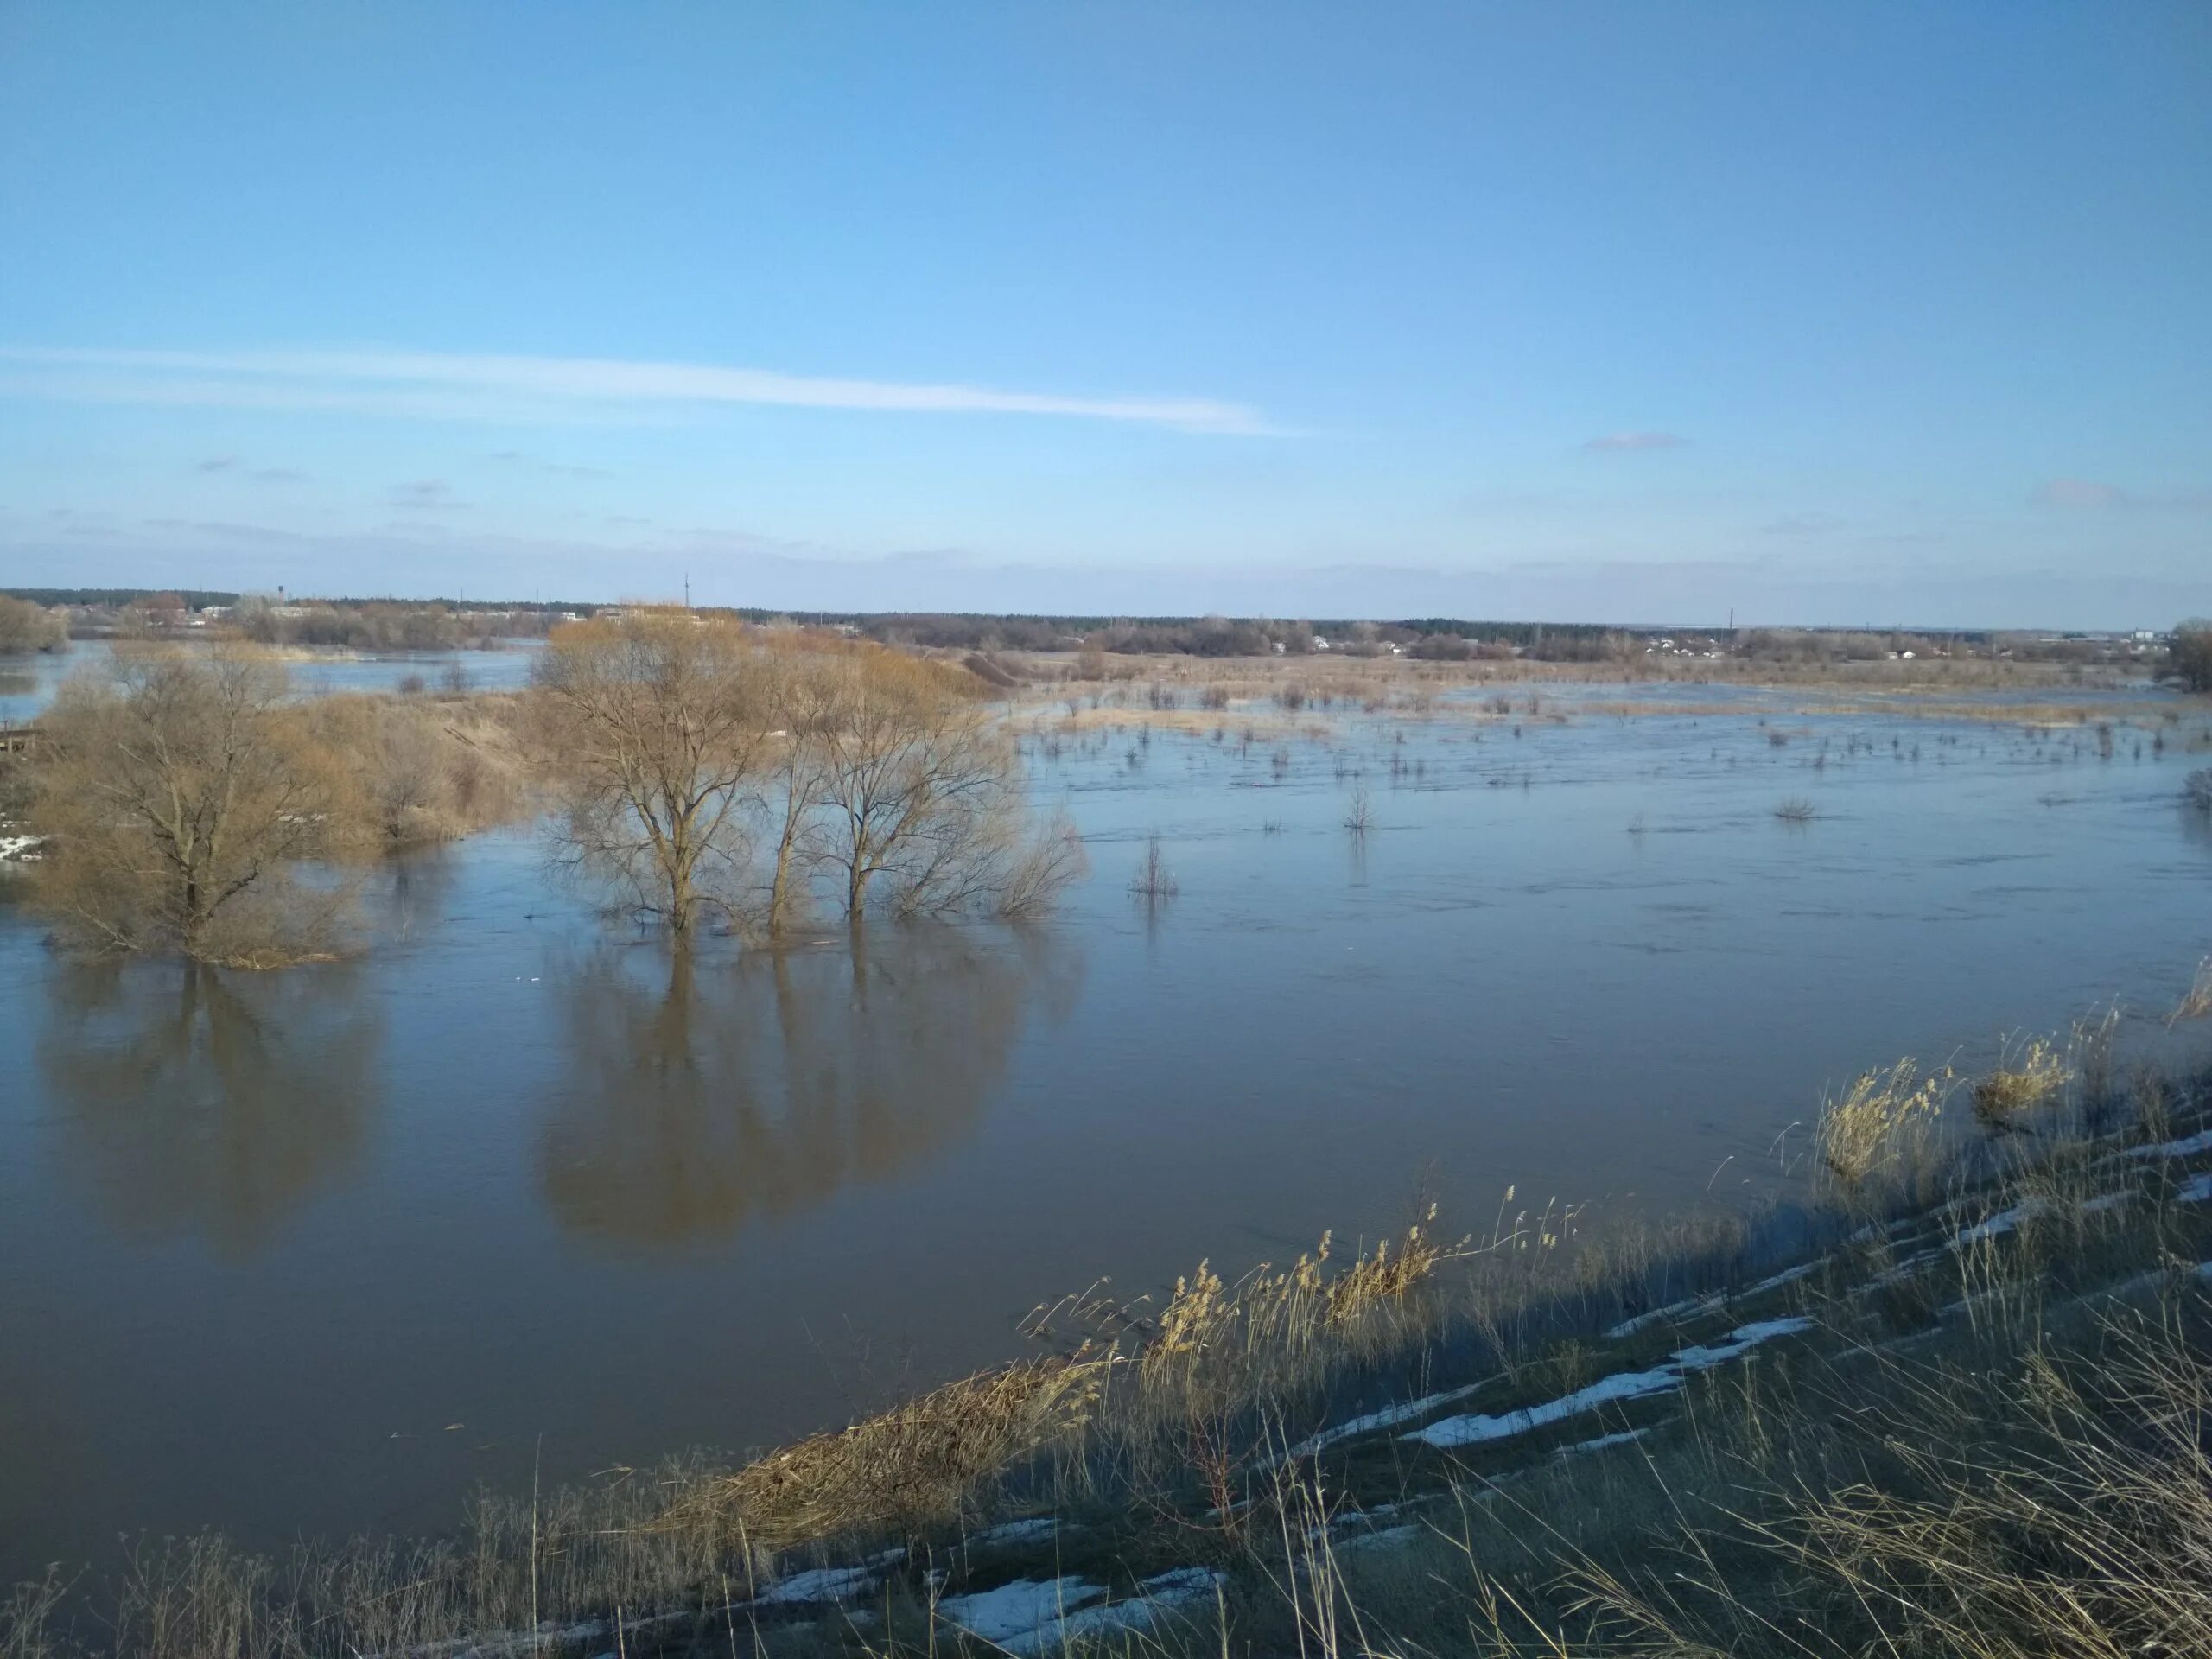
column 759, row 1086
column 200, row 1101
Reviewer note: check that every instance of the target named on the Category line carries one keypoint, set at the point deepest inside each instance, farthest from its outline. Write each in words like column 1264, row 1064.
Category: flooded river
column 314, row 1252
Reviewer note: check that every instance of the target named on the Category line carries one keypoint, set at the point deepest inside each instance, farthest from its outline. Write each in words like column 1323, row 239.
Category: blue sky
column 1842, row 314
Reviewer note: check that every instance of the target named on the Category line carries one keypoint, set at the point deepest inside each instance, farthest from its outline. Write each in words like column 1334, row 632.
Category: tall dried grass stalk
column 2196, row 1001
column 1883, row 1115
column 2027, row 1075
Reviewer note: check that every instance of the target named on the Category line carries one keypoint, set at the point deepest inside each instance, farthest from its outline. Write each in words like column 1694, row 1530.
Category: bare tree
column 805, row 685
column 922, row 793
column 179, row 788
column 655, row 726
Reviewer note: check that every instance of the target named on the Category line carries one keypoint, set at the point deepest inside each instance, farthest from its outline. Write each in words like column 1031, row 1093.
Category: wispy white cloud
column 460, row 386
column 426, row 495
column 2091, row 492
column 234, row 465
column 1618, row 443
column 2081, row 492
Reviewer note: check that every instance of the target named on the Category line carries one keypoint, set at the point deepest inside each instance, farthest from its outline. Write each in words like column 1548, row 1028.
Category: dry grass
column 2196, row 1001
column 1885, row 1118
column 909, row 1467
column 2029, row 1074
column 1796, row 809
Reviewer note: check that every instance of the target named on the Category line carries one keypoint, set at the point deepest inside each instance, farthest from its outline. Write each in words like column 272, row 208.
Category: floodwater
column 314, row 1252
column 28, row 683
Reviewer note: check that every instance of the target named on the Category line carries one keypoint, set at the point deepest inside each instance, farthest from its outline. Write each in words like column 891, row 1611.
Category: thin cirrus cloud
column 1624, row 443
column 2081, row 492
column 2092, row 493
column 463, row 386
column 233, row 465
column 426, row 495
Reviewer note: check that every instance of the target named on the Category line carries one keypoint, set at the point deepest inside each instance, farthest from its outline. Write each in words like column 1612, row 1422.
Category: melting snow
column 819, row 1584
column 1741, row 1339
column 1028, row 1617
column 1389, row 1417
column 1015, row 1532
column 1694, row 1304
column 1621, row 1386
column 1995, row 1226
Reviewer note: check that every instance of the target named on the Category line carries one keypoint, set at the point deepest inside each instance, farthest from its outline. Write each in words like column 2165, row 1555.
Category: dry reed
column 1883, row 1115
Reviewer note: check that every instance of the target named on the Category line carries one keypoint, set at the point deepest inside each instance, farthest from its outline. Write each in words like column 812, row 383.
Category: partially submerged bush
column 2189, row 655
column 27, row 627
column 425, row 772
column 2026, row 1077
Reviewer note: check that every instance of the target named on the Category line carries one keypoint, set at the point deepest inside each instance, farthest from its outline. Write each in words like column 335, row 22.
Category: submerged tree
column 805, row 688
column 2188, row 655
column 26, row 628
column 655, row 724
column 178, row 789
column 706, row 767
column 922, row 797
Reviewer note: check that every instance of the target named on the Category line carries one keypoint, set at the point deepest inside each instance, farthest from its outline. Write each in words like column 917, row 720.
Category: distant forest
column 430, row 623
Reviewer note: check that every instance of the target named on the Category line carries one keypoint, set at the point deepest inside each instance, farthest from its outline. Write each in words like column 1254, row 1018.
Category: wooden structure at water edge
column 17, row 739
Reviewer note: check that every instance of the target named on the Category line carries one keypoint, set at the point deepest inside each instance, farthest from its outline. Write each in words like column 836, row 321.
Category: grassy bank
column 1953, row 1403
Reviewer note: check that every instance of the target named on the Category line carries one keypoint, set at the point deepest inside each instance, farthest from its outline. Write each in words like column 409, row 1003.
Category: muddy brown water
column 316, row 1252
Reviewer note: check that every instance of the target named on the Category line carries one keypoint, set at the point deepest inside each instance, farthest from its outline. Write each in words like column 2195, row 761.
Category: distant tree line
column 197, row 599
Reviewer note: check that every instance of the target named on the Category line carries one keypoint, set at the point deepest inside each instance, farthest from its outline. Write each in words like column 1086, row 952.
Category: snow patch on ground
column 1741, row 1340
column 1607, row 1390
column 1030, row 1616
column 828, row 1583
column 1015, row 1532
column 1775, row 1282
column 20, row 849
column 819, row 1584
column 1996, row 1226
column 1389, row 1417
column 1681, row 1310
column 1388, row 1537
column 1623, row 1385
column 1019, row 1608
column 2188, row 1145
column 1603, row 1440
